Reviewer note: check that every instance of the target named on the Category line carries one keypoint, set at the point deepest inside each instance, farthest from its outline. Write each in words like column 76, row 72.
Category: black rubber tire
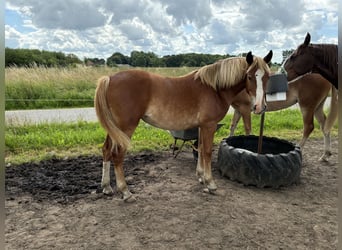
column 279, row 164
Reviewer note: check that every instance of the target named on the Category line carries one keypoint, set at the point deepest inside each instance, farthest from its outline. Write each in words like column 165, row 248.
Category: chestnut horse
column 198, row 99
column 311, row 104
column 315, row 58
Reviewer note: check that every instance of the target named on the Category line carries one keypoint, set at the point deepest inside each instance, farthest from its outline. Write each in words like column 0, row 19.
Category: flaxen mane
column 228, row 72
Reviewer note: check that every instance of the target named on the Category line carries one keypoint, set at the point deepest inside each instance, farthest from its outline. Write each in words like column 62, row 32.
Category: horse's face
column 256, row 82
column 300, row 61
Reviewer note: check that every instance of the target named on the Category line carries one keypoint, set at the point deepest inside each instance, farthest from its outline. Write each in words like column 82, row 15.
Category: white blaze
column 259, row 91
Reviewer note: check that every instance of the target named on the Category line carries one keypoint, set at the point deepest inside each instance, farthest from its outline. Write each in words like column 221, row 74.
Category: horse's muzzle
column 260, row 111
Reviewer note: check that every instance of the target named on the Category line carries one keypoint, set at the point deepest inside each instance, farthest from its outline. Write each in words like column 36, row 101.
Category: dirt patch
column 58, row 204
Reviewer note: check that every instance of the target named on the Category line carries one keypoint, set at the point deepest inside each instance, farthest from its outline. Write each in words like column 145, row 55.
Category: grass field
column 37, row 142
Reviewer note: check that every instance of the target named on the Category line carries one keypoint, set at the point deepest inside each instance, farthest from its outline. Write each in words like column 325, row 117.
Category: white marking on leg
column 105, row 183
column 327, row 152
column 199, row 168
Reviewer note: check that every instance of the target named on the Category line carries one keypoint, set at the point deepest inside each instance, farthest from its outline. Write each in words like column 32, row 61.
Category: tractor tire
column 279, row 164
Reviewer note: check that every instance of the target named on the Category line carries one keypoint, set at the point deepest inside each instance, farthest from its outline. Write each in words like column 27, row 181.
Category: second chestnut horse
column 311, row 101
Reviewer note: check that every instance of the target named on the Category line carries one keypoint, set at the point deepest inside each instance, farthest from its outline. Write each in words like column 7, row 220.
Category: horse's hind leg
column 320, row 116
column 107, row 155
column 235, row 121
column 117, row 156
column 308, row 125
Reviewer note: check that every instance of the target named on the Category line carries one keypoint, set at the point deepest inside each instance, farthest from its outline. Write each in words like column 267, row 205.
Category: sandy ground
column 58, row 204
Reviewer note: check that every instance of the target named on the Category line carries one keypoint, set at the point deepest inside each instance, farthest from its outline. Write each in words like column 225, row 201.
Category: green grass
column 37, row 142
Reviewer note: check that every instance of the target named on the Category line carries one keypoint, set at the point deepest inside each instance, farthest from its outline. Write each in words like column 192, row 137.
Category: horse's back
column 314, row 83
column 130, row 77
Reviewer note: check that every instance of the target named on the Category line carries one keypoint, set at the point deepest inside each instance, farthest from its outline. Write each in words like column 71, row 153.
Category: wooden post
column 262, row 120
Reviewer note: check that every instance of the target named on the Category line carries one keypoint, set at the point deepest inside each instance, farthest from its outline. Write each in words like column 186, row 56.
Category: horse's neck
column 325, row 72
column 228, row 94
column 321, row 66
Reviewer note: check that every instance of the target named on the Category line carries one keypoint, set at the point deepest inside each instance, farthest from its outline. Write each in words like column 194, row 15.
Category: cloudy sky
column 97, row 28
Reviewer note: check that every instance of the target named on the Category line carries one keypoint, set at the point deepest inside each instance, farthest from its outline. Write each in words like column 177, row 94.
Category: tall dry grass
column 41, row 87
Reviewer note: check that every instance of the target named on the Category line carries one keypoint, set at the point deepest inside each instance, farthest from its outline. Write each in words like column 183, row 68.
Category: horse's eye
column 249, row 77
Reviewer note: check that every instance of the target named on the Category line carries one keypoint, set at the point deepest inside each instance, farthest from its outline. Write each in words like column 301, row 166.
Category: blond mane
column 228, row 72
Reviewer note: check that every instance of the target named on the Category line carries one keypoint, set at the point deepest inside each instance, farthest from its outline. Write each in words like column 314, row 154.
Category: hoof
column 325, row 156
column 200, row 180
column 208, row 191
column 212, row 186
column 323, row 159
column 107, row 190
column 128, row 197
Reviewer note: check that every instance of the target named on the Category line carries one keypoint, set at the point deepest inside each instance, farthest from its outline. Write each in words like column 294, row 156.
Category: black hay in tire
column 279, row 164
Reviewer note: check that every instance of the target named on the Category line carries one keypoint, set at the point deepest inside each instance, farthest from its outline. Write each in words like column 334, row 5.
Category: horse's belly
column 171, row 120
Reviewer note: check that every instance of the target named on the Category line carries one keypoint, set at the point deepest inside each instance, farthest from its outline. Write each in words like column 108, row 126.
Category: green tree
column 139, row 59
column 34, row 57
column 117, row 58
column 94, row 62
column 286, row 54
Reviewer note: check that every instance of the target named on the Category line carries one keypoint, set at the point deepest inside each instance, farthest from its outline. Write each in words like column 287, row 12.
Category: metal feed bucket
column 277, row 86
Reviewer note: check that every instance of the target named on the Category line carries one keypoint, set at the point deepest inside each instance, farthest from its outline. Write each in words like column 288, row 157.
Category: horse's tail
column 105, row 116
column 333, row 112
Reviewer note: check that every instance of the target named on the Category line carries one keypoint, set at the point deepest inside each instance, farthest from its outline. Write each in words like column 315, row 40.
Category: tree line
column 33, row 57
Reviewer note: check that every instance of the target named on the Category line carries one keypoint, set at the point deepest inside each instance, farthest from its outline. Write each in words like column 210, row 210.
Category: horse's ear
column 307, row 39
column 268, row 58
column 249, row 58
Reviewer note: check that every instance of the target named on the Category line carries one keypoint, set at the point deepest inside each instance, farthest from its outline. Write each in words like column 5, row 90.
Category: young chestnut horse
column 311, row 101
column 315, row 58
column 198, row 99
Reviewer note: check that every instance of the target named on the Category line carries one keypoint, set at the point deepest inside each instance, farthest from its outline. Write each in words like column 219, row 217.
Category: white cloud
column 190, row 11
column 332, row 18
column 327, row 5
column 12, row 33
column 95, row 28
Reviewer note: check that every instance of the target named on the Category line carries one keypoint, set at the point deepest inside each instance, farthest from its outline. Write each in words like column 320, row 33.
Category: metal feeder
column 277, row 86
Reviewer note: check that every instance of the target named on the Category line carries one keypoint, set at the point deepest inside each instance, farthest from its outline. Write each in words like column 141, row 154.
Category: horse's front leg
column 199, row 168
column 206, row 137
